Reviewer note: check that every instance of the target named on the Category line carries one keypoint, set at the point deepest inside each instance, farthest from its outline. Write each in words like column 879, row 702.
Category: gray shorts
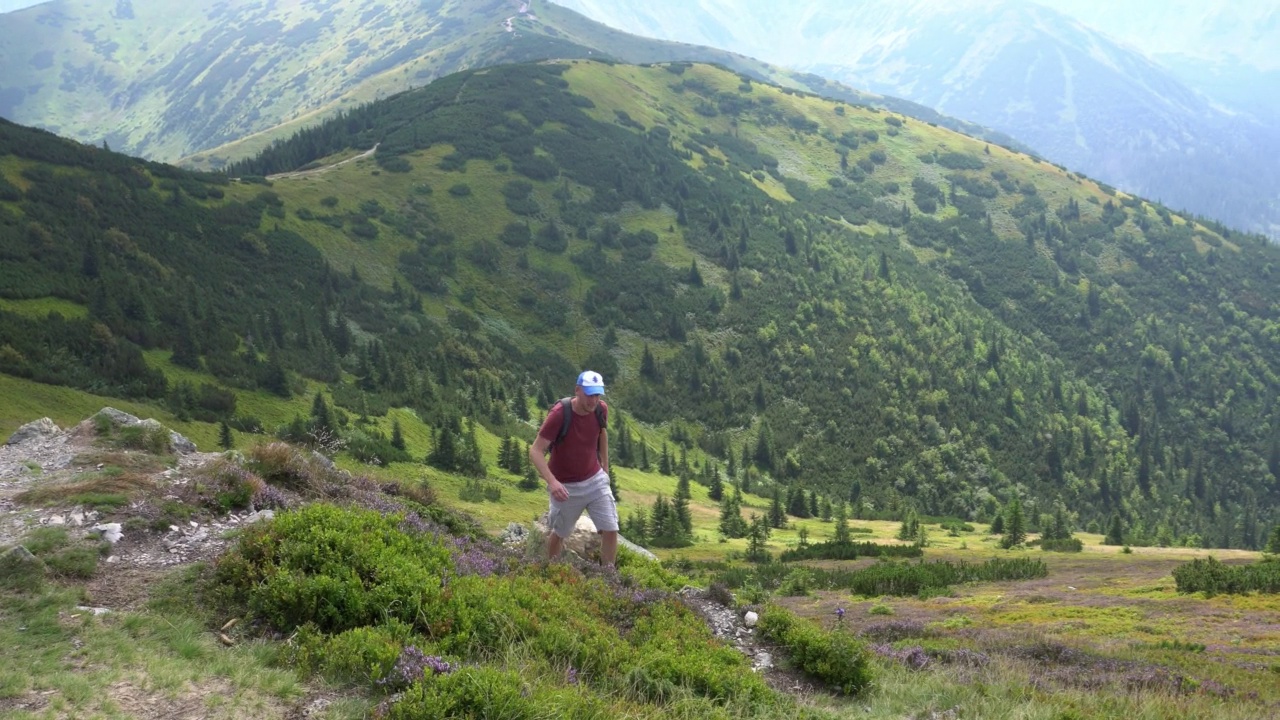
column 592, row 495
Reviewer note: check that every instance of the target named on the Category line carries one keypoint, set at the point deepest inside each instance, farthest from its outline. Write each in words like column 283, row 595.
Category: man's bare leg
column 608, row 547
column 555, row 544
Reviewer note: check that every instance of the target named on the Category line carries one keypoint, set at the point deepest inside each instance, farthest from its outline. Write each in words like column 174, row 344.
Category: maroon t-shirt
column 575, row 458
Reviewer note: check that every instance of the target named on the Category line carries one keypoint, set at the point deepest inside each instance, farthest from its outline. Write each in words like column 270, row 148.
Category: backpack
column 566, row 413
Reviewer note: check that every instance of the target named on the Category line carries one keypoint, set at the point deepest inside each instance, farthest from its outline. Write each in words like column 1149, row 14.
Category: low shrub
column 1062, row 545
column 834, row 657
column 1213, row 577
column 364, row 655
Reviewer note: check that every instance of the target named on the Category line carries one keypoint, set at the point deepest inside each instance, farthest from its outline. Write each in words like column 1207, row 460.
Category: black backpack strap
column 566, row 417
column 600, row 417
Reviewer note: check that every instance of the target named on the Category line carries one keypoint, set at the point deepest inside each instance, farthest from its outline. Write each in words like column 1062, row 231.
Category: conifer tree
column 997, row 524
column 1015, row 529
column 680, row 504
column 910, row 526
column 841, row 535
column 397, row 435
column 758, row 538
column 644, row 456
column 731, row 523
column 321, row 417
column 664, row 465
column 716, row 489
column 1115, row 531
column 777, row 516
column 226, row 440
column 1273, row 544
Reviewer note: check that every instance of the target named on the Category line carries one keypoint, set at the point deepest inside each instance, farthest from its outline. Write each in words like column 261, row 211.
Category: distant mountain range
column 218, row 81
column 1068, row 90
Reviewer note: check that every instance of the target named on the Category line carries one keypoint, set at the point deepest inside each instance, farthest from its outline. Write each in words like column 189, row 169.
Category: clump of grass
column 224, row 485
column 880, row 609
column 113, row 489
column 63, row 557
column 125, row 461
column 150, row 438
column 282, row 464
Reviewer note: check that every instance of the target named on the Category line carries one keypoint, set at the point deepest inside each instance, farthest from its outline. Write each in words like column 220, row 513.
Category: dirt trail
column 317, row 171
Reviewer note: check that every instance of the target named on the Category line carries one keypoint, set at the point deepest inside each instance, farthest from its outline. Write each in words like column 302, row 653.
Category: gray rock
column 643, row 552
column 42, row 428
column 111, row 532
column 118, row 417
column 20, row 569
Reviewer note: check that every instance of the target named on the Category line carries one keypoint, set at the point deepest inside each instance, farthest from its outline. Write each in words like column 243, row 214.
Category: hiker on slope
column 577, row 475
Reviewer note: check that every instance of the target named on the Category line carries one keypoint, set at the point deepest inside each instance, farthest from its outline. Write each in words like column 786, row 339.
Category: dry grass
column 128, row 461
column 127, row 484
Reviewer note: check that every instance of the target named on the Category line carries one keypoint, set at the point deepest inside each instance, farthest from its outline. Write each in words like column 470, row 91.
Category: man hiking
column 577, row 475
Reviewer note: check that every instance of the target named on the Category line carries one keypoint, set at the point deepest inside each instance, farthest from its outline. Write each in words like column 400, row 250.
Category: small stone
column 113, row 558
column 751, row 618
column 94, row 610
column 173, row 550
column 57, row 520
column 77, row 518
column 111, row 532
column 173, row 528
column 195, row 524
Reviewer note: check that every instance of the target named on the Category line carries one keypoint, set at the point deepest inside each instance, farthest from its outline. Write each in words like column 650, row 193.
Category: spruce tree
column 731, row 523
column 716, row 490
column 841, row 536
column 997, row 524
column 321, row 416
column 758, row 539
column 226, row 440
column 777, row 516
column 664, row 465
column 680, row 504
column 397, row 435
column 1273, row 544
column 1115, row 531
column 1015, row 528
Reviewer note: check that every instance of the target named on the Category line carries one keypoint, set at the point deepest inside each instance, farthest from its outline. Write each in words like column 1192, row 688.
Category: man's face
column 585, row 401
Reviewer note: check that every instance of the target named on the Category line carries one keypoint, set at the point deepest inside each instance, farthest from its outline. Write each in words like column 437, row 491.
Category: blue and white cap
column 591, row 383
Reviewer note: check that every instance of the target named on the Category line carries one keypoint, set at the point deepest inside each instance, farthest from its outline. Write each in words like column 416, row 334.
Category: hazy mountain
column 840, row 298
column 1068, row 90
column 162, row 80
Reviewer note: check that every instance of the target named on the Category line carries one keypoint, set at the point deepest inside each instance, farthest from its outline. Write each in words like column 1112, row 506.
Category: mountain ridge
column 1053, row 83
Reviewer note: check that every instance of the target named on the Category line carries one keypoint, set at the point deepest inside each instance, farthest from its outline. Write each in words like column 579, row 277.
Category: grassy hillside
column 847, row 302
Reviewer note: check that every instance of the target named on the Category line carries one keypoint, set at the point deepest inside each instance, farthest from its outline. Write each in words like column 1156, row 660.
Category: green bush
column 1212, row 577
column 337, row 568
column 834, row 657
column 361, row 655
column 1061, row 545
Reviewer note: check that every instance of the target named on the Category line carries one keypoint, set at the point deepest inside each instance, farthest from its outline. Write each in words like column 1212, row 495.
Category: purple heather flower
column 573, row 676
column 412, row 666
column 840, row 614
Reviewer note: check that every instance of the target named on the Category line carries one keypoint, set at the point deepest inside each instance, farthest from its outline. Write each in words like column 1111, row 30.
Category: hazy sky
column 10, row 5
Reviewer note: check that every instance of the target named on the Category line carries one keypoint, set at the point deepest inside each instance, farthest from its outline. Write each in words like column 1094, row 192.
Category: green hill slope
column 812, row 295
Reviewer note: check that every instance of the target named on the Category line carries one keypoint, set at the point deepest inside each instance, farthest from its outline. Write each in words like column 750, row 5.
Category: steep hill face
column 1065, row 89
column 811, row 294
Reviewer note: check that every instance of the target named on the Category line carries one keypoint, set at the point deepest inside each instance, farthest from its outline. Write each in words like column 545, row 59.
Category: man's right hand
column 557, row 491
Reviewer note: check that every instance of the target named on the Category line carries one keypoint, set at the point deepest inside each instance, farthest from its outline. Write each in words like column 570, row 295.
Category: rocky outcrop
column 42, row 428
